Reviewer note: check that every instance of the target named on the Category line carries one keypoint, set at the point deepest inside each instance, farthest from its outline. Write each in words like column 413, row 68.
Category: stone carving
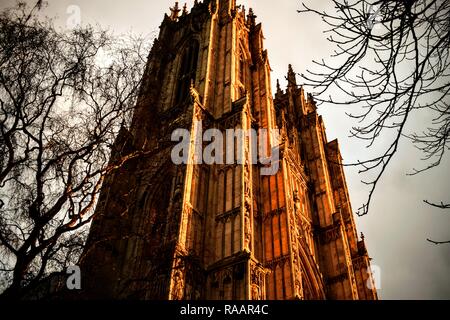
column 247, row 227
column 178, row 287
column 247, row 197
column 195, row 96
column 278, row 237
column 296, row 235
column 256, row 294
column 296, row 202
column 198, row 113
column 298, row 289
column 247, row 180
column 257, row 281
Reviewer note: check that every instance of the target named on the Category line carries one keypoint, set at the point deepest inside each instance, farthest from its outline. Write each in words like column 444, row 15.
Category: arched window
column 241, row 73
column 187, row 71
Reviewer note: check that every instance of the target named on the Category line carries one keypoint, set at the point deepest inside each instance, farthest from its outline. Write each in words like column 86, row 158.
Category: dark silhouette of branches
column 440, row 206
column 391, row 60
column 63, row 98
column 437, row 242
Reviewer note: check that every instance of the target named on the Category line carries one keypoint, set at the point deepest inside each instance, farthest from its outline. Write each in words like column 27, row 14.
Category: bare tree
column 64, row 96
column 392, row 61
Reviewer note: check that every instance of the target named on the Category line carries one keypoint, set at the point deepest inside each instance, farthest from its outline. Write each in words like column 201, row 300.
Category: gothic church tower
column 223, row 231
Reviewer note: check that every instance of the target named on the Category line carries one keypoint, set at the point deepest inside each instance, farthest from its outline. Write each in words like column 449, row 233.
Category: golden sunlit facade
column 223, row 231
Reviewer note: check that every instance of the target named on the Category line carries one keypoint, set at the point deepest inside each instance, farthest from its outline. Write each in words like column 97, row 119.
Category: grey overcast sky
column 399, row 222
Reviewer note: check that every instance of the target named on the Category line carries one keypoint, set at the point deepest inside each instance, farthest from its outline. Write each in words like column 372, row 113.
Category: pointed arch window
column 187, row 71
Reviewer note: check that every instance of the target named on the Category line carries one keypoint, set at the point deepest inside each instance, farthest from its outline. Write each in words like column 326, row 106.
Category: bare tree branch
column 62, row 105
column 438, row 242
column 440, row 206
column 391, row 63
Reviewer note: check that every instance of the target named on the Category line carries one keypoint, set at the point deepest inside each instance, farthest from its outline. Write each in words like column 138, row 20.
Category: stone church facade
column 223, row 231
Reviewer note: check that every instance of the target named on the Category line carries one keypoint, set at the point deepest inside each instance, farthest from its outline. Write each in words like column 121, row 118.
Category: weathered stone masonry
column 166, row 231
